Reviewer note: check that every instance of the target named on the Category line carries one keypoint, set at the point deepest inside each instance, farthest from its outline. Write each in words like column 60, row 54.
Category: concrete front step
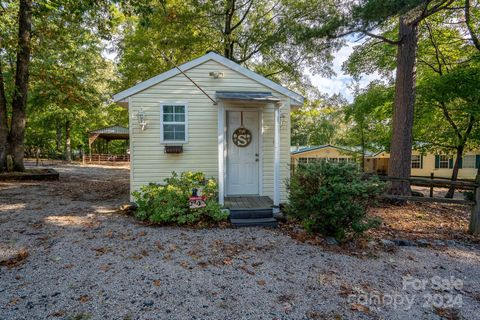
column 255, row 222
column 251, row 213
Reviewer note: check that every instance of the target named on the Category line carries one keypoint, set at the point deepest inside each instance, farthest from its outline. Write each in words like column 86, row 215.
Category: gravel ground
column 85, row 261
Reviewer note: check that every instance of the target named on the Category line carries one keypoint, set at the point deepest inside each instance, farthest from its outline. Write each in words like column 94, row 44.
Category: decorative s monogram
column 242, row 137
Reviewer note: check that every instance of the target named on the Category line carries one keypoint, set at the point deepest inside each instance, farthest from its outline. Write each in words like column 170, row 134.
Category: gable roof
column 296, row 98
column 313, row 148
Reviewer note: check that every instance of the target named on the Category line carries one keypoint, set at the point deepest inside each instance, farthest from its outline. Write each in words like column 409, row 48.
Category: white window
column 469, row 161
column 174, row 128
column 417, row 162
column 444, row 162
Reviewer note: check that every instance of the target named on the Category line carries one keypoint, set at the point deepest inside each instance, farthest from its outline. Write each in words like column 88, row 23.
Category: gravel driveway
column 85, row 261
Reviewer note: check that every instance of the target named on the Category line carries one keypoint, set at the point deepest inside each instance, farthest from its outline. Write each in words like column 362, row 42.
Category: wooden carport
column 108, row 134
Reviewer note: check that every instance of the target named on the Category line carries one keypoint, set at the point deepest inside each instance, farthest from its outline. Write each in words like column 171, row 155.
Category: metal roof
column 344, row 149
column 312, row 148
column 111, row 130
column 249, row 96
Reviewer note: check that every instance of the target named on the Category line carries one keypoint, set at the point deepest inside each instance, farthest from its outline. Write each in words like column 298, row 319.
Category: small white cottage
column 215, row 116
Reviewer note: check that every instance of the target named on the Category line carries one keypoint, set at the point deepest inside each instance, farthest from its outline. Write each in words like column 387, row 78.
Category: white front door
column 242, row 159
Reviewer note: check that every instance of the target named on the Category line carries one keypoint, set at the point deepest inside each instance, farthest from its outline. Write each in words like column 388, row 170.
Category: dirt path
column 84, row 261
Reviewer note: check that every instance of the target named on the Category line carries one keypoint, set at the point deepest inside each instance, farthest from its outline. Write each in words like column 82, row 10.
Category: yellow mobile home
column 423, row 165
column 325, row 152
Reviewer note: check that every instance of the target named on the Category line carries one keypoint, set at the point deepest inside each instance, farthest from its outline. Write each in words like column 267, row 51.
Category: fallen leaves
column 84, row 298
column 414, row 221
column 248, row 271
column 448, row 313
column 101, row 250
column 159, row 245
column 104, row 267
column 261, row 282
column 157, row 282
column 17, row 258
column 359, row 307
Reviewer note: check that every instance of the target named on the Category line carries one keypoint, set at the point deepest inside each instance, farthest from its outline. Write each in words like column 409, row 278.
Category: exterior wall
column 428, row 166
column 149, row 163
column 327, row 152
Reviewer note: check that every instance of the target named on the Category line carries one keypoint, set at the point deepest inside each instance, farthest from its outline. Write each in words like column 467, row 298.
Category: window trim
column 173, row 103
column 474, row 161
column 419, row 161
column 440, row 161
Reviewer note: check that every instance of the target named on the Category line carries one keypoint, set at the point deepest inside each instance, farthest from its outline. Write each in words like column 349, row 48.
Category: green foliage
column 332, row 199
column 168, row 203
column 318, row 122
column 368, row 119
column 70, row 79
column 265, row 36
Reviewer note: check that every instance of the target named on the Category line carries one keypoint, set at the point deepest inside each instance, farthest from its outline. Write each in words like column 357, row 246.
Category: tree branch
column 384, row 39
column 470, row 27
column 450, row 120
column 435, row 46
column 244, row 16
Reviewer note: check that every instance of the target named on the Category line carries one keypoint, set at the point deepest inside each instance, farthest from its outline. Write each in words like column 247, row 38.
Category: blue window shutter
column 437, row 161
column 477, row 161
column 460, row 163
column 450, row 163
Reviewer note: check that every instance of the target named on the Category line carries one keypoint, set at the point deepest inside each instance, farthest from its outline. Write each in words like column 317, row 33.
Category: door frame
column 259, row 110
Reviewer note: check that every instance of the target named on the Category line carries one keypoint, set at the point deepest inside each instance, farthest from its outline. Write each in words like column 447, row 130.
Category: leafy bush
column 332, row 199
column 168, row 203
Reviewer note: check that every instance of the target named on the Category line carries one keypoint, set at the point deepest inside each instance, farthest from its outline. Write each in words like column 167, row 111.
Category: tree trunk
column 59, row 138
column 364, row 147
column 456, row 166
column 68, row 146
column 3, row 124
column 227, row 31
column 19, row 102
column 402, row 121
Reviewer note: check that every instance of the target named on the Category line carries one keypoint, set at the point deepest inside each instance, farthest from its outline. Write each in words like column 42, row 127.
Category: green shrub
column 332, row 199
column 168, row 203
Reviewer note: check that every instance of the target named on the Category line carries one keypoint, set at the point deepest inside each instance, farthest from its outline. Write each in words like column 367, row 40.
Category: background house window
column 469, row 161
column 417, row 162
column 444, row 161
column 174, row 123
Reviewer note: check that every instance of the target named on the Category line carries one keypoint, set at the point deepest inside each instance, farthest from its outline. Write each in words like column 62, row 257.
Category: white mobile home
column 215, row 116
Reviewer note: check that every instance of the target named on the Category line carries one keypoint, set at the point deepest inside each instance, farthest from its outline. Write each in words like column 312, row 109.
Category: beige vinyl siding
column 149, row 163
column 429, row 167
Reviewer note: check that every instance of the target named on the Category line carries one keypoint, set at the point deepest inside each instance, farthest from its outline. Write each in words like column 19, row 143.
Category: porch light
column 142, row 119
column 216, row 75
column 283, row 121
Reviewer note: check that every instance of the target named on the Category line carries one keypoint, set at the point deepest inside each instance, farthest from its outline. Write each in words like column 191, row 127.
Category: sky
column 341, row 82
